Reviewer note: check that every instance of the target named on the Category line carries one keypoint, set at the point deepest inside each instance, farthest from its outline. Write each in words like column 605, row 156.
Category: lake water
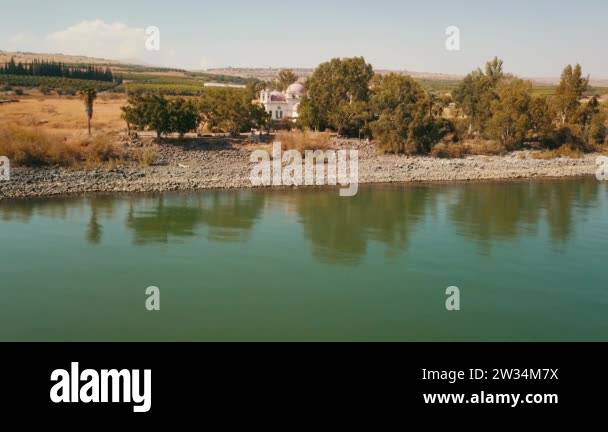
column 530, row 259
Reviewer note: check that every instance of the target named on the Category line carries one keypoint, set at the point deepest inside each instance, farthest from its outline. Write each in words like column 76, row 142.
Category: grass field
column 64, row 116
column 66, row 85
column 41, row 130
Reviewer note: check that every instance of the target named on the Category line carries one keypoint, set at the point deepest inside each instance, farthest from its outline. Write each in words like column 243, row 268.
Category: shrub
column 33, row 147
column 450, row 150
column 304, row 140
column 145, row 156
column 155, row 112
column 183, row 116
column 566, row 151
column 404, row 123
column 99, row 149
column 486, row 147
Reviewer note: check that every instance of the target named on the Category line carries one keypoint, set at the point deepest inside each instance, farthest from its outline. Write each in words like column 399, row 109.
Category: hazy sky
column 535, row 38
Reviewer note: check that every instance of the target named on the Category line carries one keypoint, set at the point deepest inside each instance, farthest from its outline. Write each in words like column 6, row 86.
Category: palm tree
column 88, row 96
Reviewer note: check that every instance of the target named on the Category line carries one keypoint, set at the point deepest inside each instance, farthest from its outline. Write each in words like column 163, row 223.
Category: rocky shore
column 191, row 166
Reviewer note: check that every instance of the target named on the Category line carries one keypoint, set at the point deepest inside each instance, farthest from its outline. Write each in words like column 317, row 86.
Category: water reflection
column 229, row 217
column 495, row 211
column 338, row 230
column 100, row 207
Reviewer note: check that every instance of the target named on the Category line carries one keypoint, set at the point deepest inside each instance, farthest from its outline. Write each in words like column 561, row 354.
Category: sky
column 535, row 38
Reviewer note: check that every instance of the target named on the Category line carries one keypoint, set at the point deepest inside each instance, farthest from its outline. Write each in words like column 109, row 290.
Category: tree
column 254, row 87
column 183, row 116
column 285, row 78
column 597, row 132
column 477, row 92
column 331, row 85
column 494, row 72
column 541, row 122
column 591, row 123
column 260, row 118
column 157, row 114
column 88, row 97
column 571, row 88
column 403, row 123
column 149, row 110
column 227, row 110
column 511, row 121
column 134, row 112
column 351, row 119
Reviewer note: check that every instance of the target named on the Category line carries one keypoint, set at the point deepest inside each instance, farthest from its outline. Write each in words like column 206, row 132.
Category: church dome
column 296, row 89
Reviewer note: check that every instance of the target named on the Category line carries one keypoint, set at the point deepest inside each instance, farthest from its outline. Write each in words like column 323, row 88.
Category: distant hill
column 435, row 80
column 27, row 57
column 268, row 74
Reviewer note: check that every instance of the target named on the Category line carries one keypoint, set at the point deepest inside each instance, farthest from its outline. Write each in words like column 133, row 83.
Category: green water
column 529, row 259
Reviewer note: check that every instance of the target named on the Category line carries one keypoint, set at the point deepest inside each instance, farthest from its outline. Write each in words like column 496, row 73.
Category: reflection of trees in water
column 100, row 207
column 16, row 211
column 341, row 228
column 228, row 216
column 494, row 211
column 24, row 210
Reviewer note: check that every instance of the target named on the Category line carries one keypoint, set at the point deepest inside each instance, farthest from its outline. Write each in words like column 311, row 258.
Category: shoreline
column 189, row 167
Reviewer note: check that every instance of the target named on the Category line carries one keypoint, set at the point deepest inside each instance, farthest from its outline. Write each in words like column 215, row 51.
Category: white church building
column 283, row 105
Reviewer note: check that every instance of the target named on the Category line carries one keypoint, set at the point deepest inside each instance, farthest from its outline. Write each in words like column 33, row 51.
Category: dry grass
column 35, row 147
column 485, row 148
column 40, row 130
column 146, row 155
column 450, row 150
column 304, row 140
column 64, row 116
column 470, row 147
column 564, row 151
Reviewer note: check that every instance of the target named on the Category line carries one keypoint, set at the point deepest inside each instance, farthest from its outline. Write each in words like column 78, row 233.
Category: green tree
column 285, row 78
column 259, row 117
column 351, row 119
column 597, row 132
column 333, row 84
column 254, row 87
column 403, row 122
column 591, row 123
column 477, row 92
column 88, row 97
column 148, row 111
column 227, row 110
column 134, row 112
column 567, row 98
column 157, row 114
column 183, row 116
column 511, row 121
column 541, row 121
